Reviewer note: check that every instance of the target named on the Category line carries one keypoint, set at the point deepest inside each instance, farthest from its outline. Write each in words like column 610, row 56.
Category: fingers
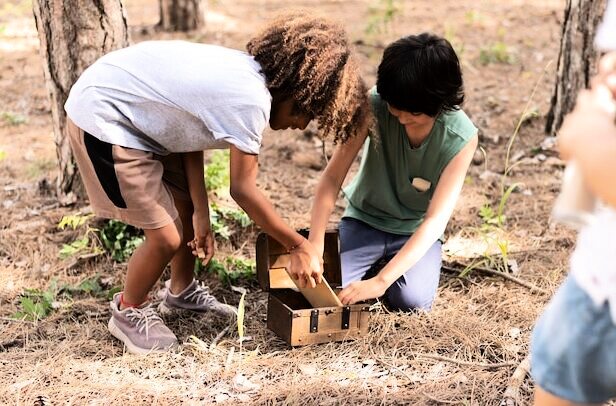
column 348, row 295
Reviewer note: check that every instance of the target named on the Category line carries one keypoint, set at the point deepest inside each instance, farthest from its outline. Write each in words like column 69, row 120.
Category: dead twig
column 466, row 363
column 511, row 397
column 24, row 321
column 449, row 402
column 457, row 268
column 81, row 259
column 219, row 336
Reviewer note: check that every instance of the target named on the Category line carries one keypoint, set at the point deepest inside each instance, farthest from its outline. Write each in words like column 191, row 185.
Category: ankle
column 124, row 304
column 178, row 286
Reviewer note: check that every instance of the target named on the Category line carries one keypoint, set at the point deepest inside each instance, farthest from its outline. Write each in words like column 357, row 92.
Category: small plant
column 36, row 304
column 86, row 243
column 381, row 16
column 222, row 218
column 89, row 286
column 120, row 239
column 229, row 271
column 473, row 16
column 39, row 167
column 217, row 171
column 455, row 42
column 12, row 119
column 2, row 155
column 492, row 229
column 498, row 52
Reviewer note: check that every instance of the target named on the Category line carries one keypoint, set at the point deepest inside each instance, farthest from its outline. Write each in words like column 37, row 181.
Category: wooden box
column 289, row 314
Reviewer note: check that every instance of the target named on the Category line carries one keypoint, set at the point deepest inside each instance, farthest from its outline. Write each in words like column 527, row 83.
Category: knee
column 407, row 299
column 166, row 240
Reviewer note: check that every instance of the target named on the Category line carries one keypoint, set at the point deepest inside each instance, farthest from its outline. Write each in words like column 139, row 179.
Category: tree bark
column 73, row 34
column 577, row 58
column 181, row 15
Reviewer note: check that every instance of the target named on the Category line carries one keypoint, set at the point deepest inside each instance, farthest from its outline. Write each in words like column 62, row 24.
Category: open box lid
column 273, row 258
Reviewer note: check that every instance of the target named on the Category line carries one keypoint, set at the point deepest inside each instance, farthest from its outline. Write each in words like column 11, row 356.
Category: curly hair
column 308, row 59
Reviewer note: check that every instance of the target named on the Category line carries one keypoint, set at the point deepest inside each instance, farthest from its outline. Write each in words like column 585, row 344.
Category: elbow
column 239, row 193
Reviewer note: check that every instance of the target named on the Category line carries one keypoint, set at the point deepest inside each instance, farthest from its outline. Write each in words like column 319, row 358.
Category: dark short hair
column 421, row 74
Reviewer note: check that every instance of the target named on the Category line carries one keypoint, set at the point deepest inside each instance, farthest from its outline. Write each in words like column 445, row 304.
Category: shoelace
column 201, row 295
column 145, row 318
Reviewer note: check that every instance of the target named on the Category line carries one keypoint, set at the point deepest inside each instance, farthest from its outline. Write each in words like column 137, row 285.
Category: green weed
column 492, row 229
column 12, row 119
column 230, row 270
column 473, row 17
column 382, row 13
column 36, row 304
column 217, row 171
column 455, row 42
column 120, row 239
column 39, row 167
column 498, row 52
column 2, row 155
column 86, row 243
column 223, row 219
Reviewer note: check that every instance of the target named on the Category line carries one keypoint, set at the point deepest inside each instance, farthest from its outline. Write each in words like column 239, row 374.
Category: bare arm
column 203, row 239
column 305, row 263
column 588, row 136
column 193, row 166
column 588, row 133
column 329, row 186
column 441, row 207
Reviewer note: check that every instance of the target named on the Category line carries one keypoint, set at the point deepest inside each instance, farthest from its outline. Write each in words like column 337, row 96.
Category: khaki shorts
column 134, row 186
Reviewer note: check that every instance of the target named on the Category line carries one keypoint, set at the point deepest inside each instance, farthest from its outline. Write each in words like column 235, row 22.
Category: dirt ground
column 463, row 352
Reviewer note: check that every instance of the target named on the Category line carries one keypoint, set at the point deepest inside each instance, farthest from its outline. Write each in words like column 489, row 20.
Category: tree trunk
column 577, row 59
column 73, row 34
column 181, row 15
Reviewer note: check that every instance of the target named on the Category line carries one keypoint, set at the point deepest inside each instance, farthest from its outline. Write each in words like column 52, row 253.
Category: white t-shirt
column 593, row 263
column 173, row 96
column 606, row 33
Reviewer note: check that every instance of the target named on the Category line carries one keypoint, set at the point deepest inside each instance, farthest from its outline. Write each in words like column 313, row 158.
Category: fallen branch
column 511, row 397
column 219, row 336
column 457, row 268
column 466, row 363
column 12, row 320
column 81, row 259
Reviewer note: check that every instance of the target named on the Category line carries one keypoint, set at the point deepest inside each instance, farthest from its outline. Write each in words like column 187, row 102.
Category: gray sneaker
column 140, row 328
column 196, row 298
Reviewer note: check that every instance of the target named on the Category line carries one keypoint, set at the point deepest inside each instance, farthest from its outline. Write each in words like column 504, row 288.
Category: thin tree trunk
column 181, row 15
column 73, row 34
column 577, row 58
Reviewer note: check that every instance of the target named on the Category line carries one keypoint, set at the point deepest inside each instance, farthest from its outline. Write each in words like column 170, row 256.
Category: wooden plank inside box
column 289, row 314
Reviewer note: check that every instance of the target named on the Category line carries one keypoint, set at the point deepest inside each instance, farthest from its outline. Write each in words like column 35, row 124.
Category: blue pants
column 364, row 250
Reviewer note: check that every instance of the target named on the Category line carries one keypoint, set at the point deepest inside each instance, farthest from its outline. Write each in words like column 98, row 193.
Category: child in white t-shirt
column 140, row 118
column 574, row 341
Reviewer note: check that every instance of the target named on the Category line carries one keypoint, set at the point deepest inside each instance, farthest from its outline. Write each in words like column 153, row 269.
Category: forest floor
column 462, row 352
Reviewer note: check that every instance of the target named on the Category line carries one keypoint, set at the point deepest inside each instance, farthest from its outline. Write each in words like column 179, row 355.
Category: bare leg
column 149, row 260
column 543, row 398
column 183, row 263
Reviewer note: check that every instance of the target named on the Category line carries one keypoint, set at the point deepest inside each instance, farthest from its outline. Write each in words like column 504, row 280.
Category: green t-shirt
column 381, row 193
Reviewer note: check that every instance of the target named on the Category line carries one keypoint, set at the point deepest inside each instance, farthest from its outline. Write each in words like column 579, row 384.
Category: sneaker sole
column 165, row 310
column 130, row 346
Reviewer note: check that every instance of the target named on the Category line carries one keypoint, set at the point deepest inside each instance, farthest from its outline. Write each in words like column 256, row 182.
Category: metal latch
column 346, row 317
column 314, row 321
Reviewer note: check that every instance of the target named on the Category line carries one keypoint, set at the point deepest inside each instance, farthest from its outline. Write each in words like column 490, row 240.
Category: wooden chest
column 289, row 314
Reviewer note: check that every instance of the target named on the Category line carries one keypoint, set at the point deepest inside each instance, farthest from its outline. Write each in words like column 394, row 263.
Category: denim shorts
column 574, row 347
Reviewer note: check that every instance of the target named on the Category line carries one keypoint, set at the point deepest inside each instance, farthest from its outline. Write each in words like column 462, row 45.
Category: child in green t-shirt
column 413, row 168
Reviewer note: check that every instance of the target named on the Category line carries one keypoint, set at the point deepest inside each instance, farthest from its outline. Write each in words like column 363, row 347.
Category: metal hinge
column 314, row 321
column 346, row 317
